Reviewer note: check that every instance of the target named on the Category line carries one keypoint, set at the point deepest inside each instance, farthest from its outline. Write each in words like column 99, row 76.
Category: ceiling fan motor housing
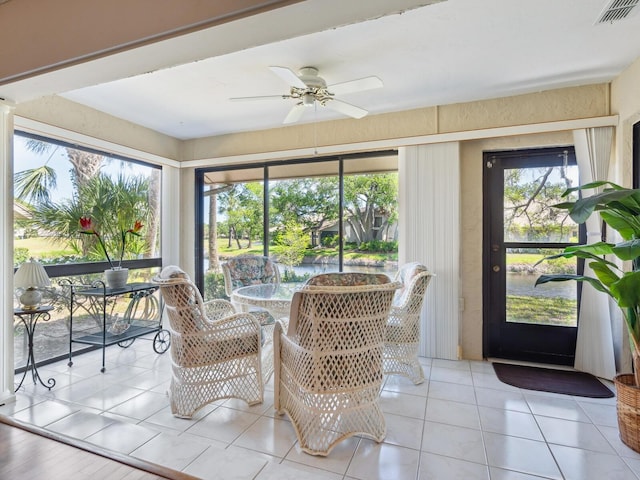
column 309, row 75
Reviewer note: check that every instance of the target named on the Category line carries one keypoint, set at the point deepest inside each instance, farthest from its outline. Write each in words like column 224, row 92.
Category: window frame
column 200, row 183
column 82, row 268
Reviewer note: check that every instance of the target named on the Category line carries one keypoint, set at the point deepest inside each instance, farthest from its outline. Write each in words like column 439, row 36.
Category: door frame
column 488, row 294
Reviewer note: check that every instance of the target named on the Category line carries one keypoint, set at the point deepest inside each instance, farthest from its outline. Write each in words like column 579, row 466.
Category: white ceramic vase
column 116, row 277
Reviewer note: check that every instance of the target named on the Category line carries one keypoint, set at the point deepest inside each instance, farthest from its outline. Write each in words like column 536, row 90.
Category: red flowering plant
column 88, row 227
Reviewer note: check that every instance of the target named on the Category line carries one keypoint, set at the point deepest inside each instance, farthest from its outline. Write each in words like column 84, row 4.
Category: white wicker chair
column 245, row 270
column 215, row 352
column 328, row 365
column 402, row 336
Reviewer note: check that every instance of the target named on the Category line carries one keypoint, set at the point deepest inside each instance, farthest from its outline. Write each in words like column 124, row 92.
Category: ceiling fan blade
column 367, row 83
column 346, row 108
column 288, row 76
column 263, row 97
column 294, row 114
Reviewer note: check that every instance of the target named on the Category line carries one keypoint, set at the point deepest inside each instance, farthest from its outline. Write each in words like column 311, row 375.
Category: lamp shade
column 31, row 274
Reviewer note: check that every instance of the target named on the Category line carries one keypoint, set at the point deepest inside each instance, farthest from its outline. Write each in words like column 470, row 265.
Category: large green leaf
column 627, row 250
column 598, row 248
column 588, row 186
column 607, row 276
column 584, row 207
column 594, row 252
column 597, row 284
column 625, row 225
column 626, row 291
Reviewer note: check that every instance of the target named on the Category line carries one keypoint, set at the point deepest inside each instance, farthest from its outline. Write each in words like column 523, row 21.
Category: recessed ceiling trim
column 617, row 10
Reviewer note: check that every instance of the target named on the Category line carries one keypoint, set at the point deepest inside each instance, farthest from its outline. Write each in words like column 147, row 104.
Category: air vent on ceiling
column 617, row 10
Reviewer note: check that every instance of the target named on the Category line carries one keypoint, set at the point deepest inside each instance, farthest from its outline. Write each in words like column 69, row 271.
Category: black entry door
column 521, row 321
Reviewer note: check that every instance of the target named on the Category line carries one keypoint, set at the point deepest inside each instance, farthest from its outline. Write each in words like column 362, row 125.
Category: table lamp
column 30, row 277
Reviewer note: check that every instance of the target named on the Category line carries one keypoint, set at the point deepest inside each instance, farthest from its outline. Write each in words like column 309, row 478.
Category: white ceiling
column 449, row 52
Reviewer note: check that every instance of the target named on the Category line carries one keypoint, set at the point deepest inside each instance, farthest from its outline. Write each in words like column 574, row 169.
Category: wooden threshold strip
column 57, row 462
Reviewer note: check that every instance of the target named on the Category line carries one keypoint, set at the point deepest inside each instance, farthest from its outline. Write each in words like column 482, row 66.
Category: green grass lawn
column 541, row 310
column 42, row 247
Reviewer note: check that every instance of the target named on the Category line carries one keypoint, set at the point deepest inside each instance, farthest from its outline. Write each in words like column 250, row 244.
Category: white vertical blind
column 429, row 203
column 6, row 249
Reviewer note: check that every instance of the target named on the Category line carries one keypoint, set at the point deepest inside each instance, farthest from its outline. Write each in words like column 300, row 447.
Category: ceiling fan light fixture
column 308, row 99
column 308, row 89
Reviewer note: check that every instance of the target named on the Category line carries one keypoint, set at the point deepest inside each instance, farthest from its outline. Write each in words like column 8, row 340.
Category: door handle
column 496, row 268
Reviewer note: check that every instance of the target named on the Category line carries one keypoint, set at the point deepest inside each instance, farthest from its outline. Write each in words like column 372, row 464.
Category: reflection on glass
column 553, row 303
column 529, row 194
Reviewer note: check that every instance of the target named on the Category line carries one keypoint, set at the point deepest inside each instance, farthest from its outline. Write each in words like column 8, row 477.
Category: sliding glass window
column 56, row 184
column 310, row 216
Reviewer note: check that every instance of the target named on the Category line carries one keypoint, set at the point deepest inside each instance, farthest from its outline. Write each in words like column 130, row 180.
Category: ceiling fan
column 307, row 87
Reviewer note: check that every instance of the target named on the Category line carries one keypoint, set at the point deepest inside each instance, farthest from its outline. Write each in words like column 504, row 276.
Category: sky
column 25, row 159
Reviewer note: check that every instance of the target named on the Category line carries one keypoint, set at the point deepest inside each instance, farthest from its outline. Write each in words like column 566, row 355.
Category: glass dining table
column 275, row 298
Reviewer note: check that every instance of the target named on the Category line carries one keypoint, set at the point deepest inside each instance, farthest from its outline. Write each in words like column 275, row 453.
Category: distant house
column 20, row 212
column 381, row 230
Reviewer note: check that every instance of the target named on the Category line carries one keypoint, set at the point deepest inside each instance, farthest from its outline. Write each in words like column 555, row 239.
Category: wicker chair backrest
column 247, row 270
column 342, row 330
column 415, row 278
column 347, row 279
column 182, row 299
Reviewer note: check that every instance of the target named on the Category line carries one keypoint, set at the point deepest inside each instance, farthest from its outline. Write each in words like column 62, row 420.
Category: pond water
column 317, row 268
column 523, row 284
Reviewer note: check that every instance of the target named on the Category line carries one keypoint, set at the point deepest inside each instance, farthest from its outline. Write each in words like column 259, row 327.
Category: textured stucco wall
column 625, row 101
column 62, row 113
column 563, row 104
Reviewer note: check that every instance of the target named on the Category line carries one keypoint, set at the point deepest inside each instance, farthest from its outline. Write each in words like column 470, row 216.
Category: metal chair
column 402, row 335
column 328, row 364
column 215, row 352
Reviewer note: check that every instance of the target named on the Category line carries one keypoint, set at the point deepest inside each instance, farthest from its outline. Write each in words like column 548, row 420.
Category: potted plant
column 619, row 208
column 116, row 276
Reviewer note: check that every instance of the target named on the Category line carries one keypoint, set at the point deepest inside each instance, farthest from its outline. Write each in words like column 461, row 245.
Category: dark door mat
column 567, row 382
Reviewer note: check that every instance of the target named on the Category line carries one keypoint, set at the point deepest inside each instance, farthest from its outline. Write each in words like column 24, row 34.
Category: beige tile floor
column 462, row 423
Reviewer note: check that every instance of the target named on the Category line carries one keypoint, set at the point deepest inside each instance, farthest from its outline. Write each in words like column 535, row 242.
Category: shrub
column 214, row 286
column 20, row 255
column 378, row 246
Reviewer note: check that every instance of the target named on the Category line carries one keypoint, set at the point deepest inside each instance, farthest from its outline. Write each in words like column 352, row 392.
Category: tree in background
column 367, row 196
column 242, row 207
column 114, row 205
column 295, row 242
column 312, row 202
column 527, row 204
column 32, row 186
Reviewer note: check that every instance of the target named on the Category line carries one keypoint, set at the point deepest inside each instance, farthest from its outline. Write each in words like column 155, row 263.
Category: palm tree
column 114, row 204
column 34, row 185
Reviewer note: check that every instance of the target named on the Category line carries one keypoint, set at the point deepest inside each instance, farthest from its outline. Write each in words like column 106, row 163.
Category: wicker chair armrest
column 284, row 324
column 218, row 308
column 231, row 325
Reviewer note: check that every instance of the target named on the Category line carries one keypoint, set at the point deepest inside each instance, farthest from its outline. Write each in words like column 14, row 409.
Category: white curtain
column 594, row 348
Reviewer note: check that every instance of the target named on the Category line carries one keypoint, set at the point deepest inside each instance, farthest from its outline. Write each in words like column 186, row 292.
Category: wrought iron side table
column 30, row 318
column 138, row 320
